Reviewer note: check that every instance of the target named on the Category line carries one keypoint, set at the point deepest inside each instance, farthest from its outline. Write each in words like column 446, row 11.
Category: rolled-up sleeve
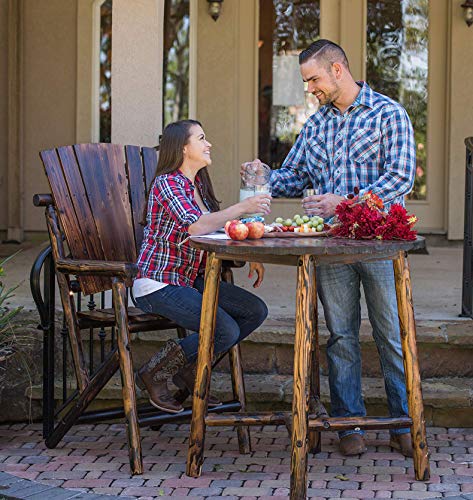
column 172, row 196
column 292, row 177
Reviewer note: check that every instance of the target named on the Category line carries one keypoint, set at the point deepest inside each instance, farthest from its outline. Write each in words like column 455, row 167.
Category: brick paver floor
column 94, row 459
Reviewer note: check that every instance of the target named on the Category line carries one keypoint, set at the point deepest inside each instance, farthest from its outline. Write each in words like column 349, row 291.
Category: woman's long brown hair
column 171, row 157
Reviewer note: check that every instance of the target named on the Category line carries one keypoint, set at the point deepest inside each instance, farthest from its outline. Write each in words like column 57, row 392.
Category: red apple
column 237, row 230
column 255, row 230
column 227, row 224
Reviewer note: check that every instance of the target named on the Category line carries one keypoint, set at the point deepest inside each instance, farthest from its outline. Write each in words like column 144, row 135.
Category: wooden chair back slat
column 69, row 219
column 104, row 176
column 135, row 171
column 150, row 161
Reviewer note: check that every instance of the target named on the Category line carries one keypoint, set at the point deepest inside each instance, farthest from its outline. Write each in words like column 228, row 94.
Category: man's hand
column 323, row 205
column 259, row 268
column 255, row 168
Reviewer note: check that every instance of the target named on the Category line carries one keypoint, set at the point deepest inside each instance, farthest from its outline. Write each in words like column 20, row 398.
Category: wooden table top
column 317, row 246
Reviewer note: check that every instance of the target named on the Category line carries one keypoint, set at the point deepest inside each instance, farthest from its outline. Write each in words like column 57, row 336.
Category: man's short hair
column 325, row 51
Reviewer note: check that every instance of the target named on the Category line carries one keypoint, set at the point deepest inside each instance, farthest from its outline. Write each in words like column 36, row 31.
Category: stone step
column 445, row 348
column 448, row 402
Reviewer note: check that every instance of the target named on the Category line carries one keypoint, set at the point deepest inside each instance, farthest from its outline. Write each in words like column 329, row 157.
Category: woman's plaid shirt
column 371, row 146
column 165, row 254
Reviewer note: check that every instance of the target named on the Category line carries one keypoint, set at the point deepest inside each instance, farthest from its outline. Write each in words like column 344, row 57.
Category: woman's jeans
column 239, row 313
column 339, row 290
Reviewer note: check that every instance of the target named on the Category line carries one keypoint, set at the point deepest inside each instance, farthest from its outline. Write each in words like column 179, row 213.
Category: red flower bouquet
column 362, row 217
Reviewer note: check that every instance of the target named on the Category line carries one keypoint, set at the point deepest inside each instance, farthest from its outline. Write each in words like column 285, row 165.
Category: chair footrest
column 149, row 415
column 316, row 424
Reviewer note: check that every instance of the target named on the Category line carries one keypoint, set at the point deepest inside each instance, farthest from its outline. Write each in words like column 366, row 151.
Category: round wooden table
column 306, row 253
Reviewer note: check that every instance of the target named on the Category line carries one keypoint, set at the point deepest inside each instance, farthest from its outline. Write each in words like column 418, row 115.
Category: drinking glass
column 310, row 192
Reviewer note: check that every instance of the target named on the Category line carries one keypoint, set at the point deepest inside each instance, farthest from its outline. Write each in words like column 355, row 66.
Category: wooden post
column 302, row 349
column 195, row 456
column 68, row 304
column 127, row 376
column 411, row 366
column 238, row 386
column 315, row 437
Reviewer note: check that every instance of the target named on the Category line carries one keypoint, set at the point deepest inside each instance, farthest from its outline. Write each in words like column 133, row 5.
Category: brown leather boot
column 403, row 443
column 185, row 380
column 353, row 444
column 154, row 375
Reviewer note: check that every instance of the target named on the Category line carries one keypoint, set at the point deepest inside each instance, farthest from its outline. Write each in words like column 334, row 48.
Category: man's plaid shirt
column 166, row 256
column 371, row 146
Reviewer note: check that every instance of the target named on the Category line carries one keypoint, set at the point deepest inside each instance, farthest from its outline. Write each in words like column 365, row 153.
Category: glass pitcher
column 254, row 180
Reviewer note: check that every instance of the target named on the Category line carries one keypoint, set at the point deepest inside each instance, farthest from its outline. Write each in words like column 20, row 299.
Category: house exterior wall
column 226, row 75
column 3, row 113
column 56, row 90
column 459, row 121
column 49, row 91
column 137, row 47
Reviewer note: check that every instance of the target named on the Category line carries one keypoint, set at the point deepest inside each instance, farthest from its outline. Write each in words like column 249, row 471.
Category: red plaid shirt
column 172, row 208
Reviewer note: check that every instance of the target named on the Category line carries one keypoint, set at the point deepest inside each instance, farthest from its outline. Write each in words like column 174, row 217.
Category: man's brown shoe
column 353, row 444
column 402, row 442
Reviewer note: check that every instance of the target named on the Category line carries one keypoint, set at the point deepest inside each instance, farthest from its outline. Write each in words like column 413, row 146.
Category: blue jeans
column 239, row 313
column 339, row 290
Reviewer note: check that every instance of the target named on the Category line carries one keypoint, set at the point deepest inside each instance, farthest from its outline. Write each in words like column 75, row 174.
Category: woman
column 182, row 203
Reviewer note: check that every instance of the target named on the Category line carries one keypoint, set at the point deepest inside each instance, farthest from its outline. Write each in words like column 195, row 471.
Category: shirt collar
column 364, row 98
column 184, row 179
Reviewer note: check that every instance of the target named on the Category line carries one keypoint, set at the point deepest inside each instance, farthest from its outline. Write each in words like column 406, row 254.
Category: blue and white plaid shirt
column 371, row 146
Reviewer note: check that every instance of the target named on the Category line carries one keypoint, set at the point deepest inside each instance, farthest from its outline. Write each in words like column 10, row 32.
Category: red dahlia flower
column 363, row 218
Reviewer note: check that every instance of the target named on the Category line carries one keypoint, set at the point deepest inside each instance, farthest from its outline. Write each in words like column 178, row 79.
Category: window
column 397, row 66
column 286, row 28
column 105, row 82
column 176, row 61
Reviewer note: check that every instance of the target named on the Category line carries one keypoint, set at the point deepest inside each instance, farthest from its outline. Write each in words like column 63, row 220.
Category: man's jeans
column 339, row 290
column 239, row 313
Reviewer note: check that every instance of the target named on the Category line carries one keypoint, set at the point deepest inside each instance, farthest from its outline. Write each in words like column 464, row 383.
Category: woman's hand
column 259, row 268
column 259, row 204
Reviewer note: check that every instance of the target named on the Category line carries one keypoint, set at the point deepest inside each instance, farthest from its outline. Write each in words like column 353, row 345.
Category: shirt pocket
column 318, row 158
column 365, row 146
column 317, row 151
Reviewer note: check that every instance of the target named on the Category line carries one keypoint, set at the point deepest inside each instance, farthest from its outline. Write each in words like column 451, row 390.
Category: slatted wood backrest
column 99, row 192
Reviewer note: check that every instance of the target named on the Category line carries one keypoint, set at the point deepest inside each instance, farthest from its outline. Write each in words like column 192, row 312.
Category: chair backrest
column 99, row 192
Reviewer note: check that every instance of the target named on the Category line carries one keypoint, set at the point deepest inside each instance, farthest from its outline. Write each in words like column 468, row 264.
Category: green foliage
column 7, row 315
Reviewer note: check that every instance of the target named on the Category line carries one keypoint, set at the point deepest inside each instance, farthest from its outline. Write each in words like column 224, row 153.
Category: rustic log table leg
column 238, row 386
column 302, row 348
column 411, row 366
column 195, row 455
column 128, row 381
column 315, row 437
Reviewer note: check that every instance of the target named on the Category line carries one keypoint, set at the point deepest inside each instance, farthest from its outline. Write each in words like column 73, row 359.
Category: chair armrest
column 97, row 267
column 42, row 200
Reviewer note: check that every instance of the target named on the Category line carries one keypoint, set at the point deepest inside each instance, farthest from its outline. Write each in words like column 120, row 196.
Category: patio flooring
column 93, row 460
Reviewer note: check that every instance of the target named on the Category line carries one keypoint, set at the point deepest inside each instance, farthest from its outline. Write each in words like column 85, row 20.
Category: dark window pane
column 397, row 65
column 286, row 28
column 176, row 61
column 105, row 89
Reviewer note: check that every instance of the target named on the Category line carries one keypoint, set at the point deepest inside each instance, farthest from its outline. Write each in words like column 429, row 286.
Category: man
column 357, row 138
